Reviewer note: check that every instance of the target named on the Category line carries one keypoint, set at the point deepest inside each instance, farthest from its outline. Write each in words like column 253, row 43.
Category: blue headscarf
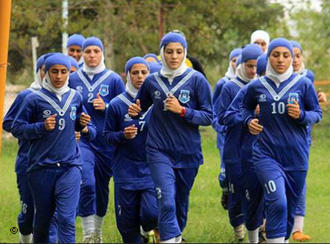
column 230, row 70
column 152, row 55
column 75, row 40
column 93, row 41
column 261, row 64
column 37, row 84
column 165, row 71
column 56, row 59
column 129, row 64
column 296, row 44
column 236, row 52
column 135, row 60
column 154, row 67
column 40, row 62
column 249, row 52
column 279, row 42
column 270, row 72
column 173, row 37
column 239, row 60
column 74, row 62
column 91, row 71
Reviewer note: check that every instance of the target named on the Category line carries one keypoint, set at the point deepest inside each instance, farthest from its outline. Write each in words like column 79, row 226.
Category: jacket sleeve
column 203, row 114
column 311, row 113
column 112, row 134
column 233, row 116
column 24, row 127
column 248, row 104
column 13, row 110
column 223, row 102
column 144, row 96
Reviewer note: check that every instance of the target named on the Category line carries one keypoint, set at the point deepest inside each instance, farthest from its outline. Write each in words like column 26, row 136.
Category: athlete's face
column 251, row 68
column 280, row 59
column 42, row 72
column 298, row 59
column 174, row 55
column 92, row 56
column 58, row 75
column 75, row 52
column 138, row 74
column 233, row 62
column 262, row 44
column 151, row 59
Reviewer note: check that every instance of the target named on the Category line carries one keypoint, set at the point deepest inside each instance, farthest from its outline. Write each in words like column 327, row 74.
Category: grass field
column 207, row 221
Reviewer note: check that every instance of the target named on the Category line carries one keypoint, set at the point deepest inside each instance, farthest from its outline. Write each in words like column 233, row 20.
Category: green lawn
column 207, row 221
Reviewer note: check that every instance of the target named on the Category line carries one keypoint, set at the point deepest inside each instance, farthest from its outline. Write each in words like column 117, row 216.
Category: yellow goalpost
column 5, row 10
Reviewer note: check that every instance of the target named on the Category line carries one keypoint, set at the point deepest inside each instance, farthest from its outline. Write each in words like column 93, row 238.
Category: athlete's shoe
column 88, row 239
column 239, row 232
column 97, row 238
column 149, row 237
column 299, row 236
column 262, row 235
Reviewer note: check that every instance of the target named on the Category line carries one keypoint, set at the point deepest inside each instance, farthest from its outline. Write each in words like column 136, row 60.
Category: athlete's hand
column 130, row 132
column 294, row 110
column 172, row 104
column 78, row 135
column 84, row 119
column 134, row 109
column 50, row 122
column 98, row 103
column 85, row 130
column 254, row 127
column 322, row 97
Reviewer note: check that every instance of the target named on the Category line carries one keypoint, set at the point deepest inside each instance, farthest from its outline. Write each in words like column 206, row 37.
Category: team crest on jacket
column 157, row 94
column 262, row 98
column 104, row 90
column 184, row 96
column 127, row 118
column 46, row 113
column 73, row 113
column 79, row 89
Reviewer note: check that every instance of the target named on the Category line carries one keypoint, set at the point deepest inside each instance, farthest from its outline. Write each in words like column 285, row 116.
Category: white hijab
column 241, row 73
column 260, row 34
column 130, row 89
column 230, row 71
column 301, row 69
column 91, row 71
column 276, row 77
column 47, row 84
column 37, row 84
column 170, row 74
column 81, row 60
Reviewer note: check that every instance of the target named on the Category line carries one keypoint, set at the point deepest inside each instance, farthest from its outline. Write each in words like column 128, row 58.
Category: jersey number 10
column 278, row 108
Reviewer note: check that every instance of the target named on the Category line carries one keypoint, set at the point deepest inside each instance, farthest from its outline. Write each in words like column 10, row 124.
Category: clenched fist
column 50, row 122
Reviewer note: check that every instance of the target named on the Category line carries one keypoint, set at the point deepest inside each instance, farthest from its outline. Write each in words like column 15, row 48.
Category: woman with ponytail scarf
column 288, row 103
column 182, row 101
column 135, row 195
column 98, row 86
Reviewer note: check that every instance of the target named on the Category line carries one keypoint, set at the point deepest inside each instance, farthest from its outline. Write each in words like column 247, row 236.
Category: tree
column 132, row 27
column 314, row 35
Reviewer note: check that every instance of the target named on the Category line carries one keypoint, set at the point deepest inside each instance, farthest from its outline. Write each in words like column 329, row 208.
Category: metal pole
column 35, row 44
column 5, row 9
column 161, row 21
column 65, row 11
